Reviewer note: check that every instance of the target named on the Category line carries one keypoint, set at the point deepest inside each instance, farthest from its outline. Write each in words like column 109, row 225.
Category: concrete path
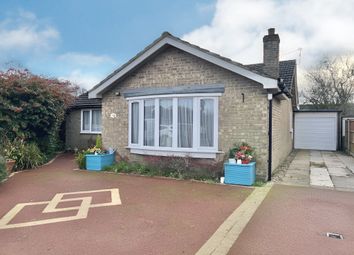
column 298, row 172
column 321, row 169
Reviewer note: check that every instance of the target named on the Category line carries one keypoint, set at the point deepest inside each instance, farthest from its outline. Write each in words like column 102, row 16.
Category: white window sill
column 171, row 153
column 90, row 133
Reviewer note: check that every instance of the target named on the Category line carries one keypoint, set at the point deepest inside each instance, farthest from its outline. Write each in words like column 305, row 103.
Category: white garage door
column 316, row 130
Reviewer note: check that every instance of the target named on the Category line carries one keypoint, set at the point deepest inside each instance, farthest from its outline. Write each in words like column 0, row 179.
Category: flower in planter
column 95, row 150
column 244, row 152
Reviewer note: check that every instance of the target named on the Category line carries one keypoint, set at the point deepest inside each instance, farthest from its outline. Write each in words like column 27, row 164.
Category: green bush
column 80, row 159
column 33, row 108
column 3, row 172
column 174, row 167
column 99, row 142
column 28, row 156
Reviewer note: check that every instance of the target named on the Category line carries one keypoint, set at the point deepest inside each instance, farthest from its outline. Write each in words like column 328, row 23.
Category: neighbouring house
column 83, row 122
column 177, row 99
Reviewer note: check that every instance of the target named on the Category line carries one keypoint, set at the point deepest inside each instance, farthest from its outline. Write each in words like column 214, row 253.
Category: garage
column 316, row 130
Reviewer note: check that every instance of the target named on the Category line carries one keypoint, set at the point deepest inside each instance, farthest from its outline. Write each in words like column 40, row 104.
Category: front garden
column 32, row 111
column 174, row 167
column 239, row 169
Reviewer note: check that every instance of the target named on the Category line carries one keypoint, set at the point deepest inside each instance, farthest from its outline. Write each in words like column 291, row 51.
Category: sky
column 85, row 40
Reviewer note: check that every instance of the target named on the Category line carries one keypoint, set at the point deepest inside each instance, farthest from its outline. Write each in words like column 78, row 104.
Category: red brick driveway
column 156, row 216
column 295, row 220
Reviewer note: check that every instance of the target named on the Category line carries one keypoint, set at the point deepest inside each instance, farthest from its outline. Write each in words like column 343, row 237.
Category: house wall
column 238, row 121
column 282, row 139
column 73, row 138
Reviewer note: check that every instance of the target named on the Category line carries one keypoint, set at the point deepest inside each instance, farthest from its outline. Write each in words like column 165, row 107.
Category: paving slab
column 344, row 183
column 348, row 161
column 318, row 168
column 338, row 171
column 299, row 170
column 320, row 177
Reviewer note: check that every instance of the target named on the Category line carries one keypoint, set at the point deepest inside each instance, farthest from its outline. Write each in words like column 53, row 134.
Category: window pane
column 165, row 122
column 86, row 120
column 135, row 123
column 149, row 122
column 207, row 122
column 96, row 120
column 185, row 122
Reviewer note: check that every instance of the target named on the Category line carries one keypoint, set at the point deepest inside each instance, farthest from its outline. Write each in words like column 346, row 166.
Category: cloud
column 84, row 59
column 205, row 8
column 317, row 27
column 84, row 80
column 25, row 33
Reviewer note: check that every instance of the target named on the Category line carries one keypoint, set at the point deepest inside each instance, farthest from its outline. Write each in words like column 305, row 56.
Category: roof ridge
column 167, row 34
column 280, row 61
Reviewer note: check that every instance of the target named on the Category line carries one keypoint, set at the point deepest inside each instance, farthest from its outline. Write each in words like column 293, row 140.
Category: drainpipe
column 270, row 133
column 283, row 90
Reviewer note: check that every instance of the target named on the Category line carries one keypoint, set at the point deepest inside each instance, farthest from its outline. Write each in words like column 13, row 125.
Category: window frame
column 82, row 131
column 197, row 150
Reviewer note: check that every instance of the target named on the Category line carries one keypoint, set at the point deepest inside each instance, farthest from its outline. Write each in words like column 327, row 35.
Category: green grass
column 259, row 183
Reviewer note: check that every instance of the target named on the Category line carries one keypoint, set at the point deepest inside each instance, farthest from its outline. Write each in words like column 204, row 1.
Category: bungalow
column 177, row 99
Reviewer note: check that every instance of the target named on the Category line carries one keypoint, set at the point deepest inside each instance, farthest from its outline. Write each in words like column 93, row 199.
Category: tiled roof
column 167, row 34
column 287, row 68
column 83, row 101
column 286, row 71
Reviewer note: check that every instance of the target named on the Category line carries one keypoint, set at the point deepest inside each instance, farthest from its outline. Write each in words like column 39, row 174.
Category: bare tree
column 331, row 82
column 81, row 91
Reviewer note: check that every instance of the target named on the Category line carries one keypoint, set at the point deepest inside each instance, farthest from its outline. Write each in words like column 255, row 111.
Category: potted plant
column 243, row 173
column 232, row 159
column 10, row 156
column 244, row 153
column 96, row 158
column 10, row 163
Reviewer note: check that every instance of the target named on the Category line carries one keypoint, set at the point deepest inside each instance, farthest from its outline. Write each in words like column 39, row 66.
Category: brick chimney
column 271, row 53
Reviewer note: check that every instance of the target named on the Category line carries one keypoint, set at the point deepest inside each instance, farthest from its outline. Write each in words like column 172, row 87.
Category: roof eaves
column 166, row 38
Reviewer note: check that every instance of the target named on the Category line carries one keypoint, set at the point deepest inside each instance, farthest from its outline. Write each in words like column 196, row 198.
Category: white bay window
column 174, row 125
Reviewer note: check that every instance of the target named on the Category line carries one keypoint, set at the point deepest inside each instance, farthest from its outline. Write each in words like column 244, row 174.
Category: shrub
column 33, row 107
column 99, row 142
column 28, row 156
column 3, row 172
column 80, row 159
column 175, row 167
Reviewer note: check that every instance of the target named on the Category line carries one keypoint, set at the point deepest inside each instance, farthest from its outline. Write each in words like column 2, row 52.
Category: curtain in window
column 207, row 122
column 149, row 122
column 86, row 120
column 135, row 123
column 185, row 122
column 96, row 120
column 165, row 123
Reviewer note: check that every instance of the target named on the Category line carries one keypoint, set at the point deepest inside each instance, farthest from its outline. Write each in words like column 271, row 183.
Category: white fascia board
column 268, row 83
column 96, row 92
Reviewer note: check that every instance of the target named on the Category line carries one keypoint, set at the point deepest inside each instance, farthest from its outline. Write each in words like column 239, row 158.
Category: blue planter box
column 243, row 174
column 99, row 161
